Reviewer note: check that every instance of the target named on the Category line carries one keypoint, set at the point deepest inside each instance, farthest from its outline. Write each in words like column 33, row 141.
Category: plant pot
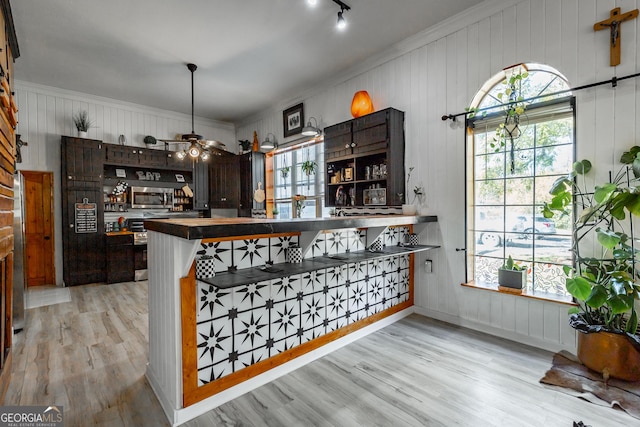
column 514, row 279
column 614, row 353
column 82, row 134
column 409, row 209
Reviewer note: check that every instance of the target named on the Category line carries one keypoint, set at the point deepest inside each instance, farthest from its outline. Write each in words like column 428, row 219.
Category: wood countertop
column 203, row 228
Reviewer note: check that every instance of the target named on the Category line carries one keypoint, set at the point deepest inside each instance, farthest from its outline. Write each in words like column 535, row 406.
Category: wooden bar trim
column 238, row 377
column 188, row 295
column 249, row 237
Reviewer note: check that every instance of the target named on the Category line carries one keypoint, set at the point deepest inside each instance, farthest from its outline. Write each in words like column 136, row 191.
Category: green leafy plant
column 82, row 122
column 514, row 107
column 309, row 167
column 604, row 282
column 285, row 171
column 418, row 192
column 510, row 264
column 149, row 140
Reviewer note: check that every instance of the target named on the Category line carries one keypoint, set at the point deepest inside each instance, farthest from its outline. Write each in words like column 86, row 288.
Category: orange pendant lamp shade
column 361, row 104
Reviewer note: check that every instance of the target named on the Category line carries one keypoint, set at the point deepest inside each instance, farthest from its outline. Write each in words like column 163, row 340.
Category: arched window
column 515, row 153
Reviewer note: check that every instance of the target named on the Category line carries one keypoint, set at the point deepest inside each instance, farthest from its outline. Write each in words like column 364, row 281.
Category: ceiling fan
column 198, row 147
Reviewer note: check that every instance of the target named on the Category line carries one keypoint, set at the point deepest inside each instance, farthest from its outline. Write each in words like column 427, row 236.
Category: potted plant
column 604, row 280
column 309, row 167
column 245, row 144
column 149, row 140
column 512, row 275
column 284, row 172
column 82, row 123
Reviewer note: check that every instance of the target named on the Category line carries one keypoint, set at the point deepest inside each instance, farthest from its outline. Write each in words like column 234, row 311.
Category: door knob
column 47, row 237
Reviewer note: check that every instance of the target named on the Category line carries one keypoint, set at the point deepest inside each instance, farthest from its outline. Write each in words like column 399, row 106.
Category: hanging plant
column 309, row 167
column 285, row 172
column 514, row 108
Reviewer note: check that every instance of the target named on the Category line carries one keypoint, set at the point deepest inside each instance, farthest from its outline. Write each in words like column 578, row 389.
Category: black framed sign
column 293, row 120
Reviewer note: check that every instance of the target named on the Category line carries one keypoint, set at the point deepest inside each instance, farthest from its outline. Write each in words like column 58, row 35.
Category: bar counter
column 263, row 313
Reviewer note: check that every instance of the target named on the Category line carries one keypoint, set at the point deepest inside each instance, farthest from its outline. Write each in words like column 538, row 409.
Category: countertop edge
column 203, row 228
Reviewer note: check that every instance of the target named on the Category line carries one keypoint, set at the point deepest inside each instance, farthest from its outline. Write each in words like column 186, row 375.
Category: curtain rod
column 614, row 82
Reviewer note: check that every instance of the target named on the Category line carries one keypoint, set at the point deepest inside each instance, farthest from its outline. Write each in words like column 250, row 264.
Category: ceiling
column 250, row 53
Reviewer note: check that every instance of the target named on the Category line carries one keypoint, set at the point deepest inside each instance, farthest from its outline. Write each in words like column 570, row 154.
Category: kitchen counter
column 204, row 228
column 203, row 344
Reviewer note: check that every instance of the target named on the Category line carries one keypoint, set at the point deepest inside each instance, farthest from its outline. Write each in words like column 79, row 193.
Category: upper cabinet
column 126, row 155
column 364, row 158
column 82, row 162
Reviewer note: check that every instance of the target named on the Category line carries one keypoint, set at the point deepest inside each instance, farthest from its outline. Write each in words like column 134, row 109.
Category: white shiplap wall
column 438, row 72
column 45, row 113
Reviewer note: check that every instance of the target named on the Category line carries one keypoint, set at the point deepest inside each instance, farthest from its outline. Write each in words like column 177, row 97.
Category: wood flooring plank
column 90, row 354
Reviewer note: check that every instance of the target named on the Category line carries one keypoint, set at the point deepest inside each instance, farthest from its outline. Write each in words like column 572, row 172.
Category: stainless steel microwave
column 151, row 198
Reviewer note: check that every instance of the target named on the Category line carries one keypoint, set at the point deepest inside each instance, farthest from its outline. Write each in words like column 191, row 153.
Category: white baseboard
column 491, row 330
column 181, row 416
column 167, row 407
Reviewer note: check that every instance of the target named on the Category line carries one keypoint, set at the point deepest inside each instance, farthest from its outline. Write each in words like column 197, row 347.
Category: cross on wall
column 614, row 24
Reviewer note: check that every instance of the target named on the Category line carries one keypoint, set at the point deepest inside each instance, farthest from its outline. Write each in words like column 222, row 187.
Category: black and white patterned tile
column 242, row 326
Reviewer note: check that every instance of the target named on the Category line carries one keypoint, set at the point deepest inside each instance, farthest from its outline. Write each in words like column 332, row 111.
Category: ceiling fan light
column 312, row 2
column 194, row 150
column 181, row 155
column 204, row 155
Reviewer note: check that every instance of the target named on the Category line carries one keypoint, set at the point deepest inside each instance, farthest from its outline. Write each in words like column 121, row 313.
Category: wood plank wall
column 438, row 72
column 8, row 123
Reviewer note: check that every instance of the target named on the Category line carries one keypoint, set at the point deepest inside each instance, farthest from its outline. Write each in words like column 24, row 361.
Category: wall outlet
column 428, row 266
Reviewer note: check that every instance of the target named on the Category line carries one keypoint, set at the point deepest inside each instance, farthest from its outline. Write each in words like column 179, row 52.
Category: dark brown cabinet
column 152, row 158
column 121, row 155
column 120, row 258
column 82, row 162
column 224, row 182
column 82, row 223
column 201, row 185
column 252, row 176
column 364, row 160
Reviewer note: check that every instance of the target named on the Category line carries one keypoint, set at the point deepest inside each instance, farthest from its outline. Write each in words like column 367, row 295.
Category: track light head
column 341, row 24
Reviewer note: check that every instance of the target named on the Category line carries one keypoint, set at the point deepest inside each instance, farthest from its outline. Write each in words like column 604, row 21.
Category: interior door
column 38, row 225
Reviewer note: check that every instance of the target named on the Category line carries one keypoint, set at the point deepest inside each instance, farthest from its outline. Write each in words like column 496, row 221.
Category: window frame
column 540, row 112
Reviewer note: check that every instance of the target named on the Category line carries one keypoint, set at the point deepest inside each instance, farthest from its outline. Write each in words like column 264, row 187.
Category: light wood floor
column 89, row 355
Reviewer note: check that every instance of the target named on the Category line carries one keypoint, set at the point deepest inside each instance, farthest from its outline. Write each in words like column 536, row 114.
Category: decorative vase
column 205, row 268
column 515, row 279
column 294, row 255
column 613, row 353
column 82, row 134
column 409, row 209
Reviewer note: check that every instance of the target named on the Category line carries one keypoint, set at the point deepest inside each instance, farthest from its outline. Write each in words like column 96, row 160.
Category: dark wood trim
column 10, row 28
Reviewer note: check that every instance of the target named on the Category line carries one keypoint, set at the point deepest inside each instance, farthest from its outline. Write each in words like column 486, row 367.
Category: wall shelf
column 231, row 279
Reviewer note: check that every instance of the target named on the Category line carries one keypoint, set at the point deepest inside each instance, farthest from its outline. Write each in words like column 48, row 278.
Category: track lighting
column 342, row 23
column 267, row 144
column 310, row 130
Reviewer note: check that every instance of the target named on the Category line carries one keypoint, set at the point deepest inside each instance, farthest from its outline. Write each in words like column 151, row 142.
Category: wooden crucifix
column 614, row 24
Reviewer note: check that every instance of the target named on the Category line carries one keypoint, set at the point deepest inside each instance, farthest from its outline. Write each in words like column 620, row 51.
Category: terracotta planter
column 614, row 353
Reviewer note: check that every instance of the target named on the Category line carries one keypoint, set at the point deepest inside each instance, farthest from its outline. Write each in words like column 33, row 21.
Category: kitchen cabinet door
column 83, row 253
column 252, row 174
column 120, row 258
column 82, row 162
column 201, row 185
column 152, row 158
column 224, row 182
column 121, row 155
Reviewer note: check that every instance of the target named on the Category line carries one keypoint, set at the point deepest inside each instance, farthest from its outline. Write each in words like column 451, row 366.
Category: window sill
column 543, row 296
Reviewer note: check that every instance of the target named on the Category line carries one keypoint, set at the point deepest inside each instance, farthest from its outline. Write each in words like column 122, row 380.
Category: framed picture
column 293, row 120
